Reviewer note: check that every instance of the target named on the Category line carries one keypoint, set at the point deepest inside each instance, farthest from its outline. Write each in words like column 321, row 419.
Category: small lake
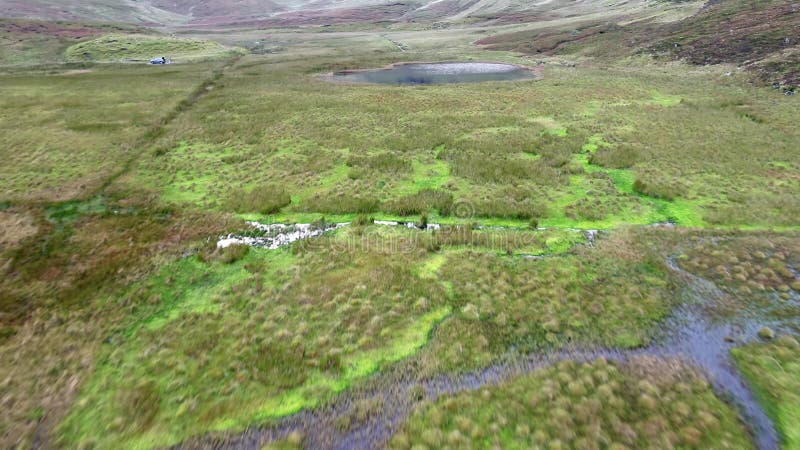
column 437, row 73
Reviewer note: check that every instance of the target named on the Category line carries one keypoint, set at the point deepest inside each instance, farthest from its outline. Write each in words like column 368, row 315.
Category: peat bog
column 539, row 225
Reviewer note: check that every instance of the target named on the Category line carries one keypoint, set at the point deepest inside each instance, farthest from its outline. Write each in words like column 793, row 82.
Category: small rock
column 766, row 333
column 729, row 339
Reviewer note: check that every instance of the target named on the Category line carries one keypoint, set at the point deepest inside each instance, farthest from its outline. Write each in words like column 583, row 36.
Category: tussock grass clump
column 638, row 404
column 510, row 208
column 556, row 301
column 382, row 162
column 774, row 370
column 264, row 199
column 424, row 201
column 141, row 404
column 557, row 149
column 499, row 242
column 362, row 220
column 601, row 199
column 616, row 157
column 333, row 203
column 748, row 265
column 502, row 168
column 659, row 187
column 233, row 253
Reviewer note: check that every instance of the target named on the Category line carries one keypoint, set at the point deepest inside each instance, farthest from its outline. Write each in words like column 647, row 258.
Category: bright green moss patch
column 640, row 403
column 666, row 100
column 125, row 47
column 72, row 210
column 431, row 266
column 643, row 208
column 774, row 371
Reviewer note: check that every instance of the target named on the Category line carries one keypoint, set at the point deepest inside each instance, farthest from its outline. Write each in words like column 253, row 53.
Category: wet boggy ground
column 695, row 332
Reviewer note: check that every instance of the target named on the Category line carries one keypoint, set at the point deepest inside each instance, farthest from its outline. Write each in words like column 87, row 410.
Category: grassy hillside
column 31, row 42
column 129, row 47
column 284, row 13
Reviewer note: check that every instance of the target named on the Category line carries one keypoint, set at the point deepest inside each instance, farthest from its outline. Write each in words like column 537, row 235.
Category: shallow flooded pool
column 437, row 73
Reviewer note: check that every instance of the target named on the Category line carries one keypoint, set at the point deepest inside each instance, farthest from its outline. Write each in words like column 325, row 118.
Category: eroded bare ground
column 16, row 225
column 368, row 416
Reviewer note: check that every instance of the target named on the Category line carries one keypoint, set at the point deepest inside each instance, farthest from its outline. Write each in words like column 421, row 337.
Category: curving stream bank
column 273, row 236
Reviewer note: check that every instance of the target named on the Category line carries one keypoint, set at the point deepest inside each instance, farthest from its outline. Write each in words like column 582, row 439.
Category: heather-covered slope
column 762, row 36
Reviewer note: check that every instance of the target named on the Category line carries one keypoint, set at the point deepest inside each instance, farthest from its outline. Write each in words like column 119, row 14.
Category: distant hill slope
column 163, row 12
column 276, row 13
column 116, row 11
column 760, row 35
column 32, row 42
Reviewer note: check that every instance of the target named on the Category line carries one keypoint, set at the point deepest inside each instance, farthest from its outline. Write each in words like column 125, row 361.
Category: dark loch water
column 437, row 73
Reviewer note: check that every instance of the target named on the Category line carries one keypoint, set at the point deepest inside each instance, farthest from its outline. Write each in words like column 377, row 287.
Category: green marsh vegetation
column 58, row 295
column 752, row 266
column 127, row 328
column 774, row 371
column 65, row 134
column 598, row 404
column 298, row 325
column 513, row 150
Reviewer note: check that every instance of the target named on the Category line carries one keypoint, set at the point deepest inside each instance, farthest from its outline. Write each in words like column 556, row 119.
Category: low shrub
column 659, row 187
column 265, row 199
column 422, row 202
column 341, row 204
column 233, row 253
column 617, row 157
column 386, row 162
